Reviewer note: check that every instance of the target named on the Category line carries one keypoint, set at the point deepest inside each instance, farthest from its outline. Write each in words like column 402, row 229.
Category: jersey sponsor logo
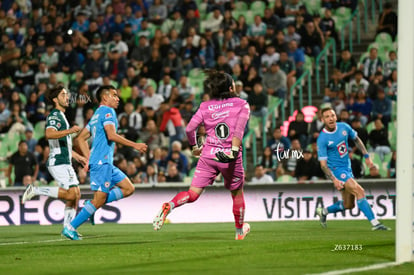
column 53, row 118
column 344, row 133
column 58, row 125
column 218, row 115
column 108, row 115
column 219, row 106
column 342, row 150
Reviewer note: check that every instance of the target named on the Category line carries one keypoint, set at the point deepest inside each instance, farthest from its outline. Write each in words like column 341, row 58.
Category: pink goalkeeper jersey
column 223, row 119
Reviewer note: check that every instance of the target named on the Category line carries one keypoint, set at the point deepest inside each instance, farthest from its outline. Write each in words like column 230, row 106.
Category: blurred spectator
column 222, row 64
column 291, row 10
column 306, row 167
column 280, row 43
column 24, row 79
column 258, row 101
column 242, row 27
column 388, row 21
column 274, row 81
column 81, row 24
column 251, row 78
column 344, row 116
column 240, row 91
column 214, row 22
column 117, row 66
column 278, row 142
column 270, row 57
column 24, row 164
column 151, row 99
column 172, row 174
column 151, row 135
column 298, row 129
column 373, row 173
column 151, row 176
column 316, row 127
column 258, row 28
column 32, row 109
column 297, row 55
column 347, row 65
column 356, row 165
column 291, row 162
column 157, row 12
column 175, row 21
column 327, row 26
column 392, row 166
column 190, row 21
column 134, row 118
column 206, row 55
column 68, row 60
column 176, row 156
column 4, row 116
column 360, row 107
column 378, row 138
column 392, row 86
column 153, row 67
column 172, row 65
column 362, row 134
column 185, row 89
column 229, row 22
column 42, row 76
column 10, row 57
column 172, row 122
column 391, row 64
column 358, row 84
column 371, row 64
column 382, row 108
column 187, row 111
column 260, row 175
column 271, row 20
column 375, row 85
column 291, row 34
column 268, row 161
column 312, row 40
column 335, row 85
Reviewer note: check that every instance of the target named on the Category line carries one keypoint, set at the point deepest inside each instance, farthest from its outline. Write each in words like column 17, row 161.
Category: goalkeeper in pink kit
column 224, row 118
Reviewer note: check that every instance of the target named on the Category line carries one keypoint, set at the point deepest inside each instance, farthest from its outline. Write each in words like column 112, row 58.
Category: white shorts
column 65, row 175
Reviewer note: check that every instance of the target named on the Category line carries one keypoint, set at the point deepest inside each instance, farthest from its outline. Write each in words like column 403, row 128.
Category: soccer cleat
column 71, row 234
column 161, row 216
column 28, row 193
column 92, row 217
column 246, row 230
column 380, row 227
column 322, row 216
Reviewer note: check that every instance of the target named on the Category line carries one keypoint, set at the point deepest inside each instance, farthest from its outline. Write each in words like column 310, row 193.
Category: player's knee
column 193, row 196
column 349, row 205
column 72, row 195
column 128, row 191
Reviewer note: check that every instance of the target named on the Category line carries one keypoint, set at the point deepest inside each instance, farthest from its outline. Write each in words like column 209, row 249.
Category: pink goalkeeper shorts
column 208, row 169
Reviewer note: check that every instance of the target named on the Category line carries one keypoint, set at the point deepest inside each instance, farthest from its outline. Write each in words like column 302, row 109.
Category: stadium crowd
column 153, row 51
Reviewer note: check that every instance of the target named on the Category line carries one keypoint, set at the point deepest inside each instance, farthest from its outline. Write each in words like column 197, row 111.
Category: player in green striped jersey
column 58, row 133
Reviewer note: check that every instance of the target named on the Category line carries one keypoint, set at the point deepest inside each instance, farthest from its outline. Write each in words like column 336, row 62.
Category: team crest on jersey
column 342, row 150
column 108, row 115
column 344, row 133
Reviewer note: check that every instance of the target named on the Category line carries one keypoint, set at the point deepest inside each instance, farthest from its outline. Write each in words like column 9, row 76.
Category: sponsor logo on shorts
column 107, row 184
column 343, row 175
column 236, row 179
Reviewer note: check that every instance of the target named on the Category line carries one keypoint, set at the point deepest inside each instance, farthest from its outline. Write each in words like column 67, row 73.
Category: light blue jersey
column 102, row 149
column 333, row 147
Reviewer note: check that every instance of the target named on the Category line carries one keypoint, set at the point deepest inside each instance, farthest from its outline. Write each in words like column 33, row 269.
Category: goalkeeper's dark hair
column 103, row 89
column 218, row 84
column 54, row 92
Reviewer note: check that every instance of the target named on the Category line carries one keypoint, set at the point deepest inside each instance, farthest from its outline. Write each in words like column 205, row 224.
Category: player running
column 59, row 162
column 333, row 156
column 107, row 181
column 224, row 118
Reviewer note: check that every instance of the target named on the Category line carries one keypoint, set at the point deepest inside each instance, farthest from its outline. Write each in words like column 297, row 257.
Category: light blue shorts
column 105, row 176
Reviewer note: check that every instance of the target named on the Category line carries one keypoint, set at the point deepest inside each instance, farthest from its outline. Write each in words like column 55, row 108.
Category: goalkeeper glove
column 224, row 158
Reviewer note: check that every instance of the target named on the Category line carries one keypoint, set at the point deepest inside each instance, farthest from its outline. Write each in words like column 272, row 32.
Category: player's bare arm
column 82, row 142
column 113, row 136
column 361, row 147
column 337, row 183
column 52, row 133
column 81, row 159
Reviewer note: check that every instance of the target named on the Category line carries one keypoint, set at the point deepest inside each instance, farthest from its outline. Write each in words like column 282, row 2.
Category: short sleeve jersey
column 61, row 148
column 333, row 146
column 102, row 149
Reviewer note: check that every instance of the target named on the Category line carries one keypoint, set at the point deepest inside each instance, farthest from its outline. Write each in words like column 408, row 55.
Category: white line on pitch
column 357, row 269
column 48, row 241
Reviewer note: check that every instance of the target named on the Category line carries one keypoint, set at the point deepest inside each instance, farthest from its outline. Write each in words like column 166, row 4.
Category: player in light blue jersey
column 107, row 181
column 333, row 156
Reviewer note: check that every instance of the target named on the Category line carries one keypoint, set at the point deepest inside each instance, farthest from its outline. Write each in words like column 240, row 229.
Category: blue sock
column 366, row 208
column 114, row 195
column 336, row 207
column 84, row 215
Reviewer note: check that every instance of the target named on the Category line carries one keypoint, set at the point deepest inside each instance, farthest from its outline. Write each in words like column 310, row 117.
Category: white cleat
column 28, row 193
column 246, row 230
column 161, row 216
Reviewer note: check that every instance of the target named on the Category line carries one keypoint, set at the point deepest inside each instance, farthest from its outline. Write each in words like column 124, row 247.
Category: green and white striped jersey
column 60, row 149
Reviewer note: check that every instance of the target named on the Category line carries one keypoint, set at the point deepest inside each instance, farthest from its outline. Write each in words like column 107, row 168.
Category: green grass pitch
column 271, row 247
